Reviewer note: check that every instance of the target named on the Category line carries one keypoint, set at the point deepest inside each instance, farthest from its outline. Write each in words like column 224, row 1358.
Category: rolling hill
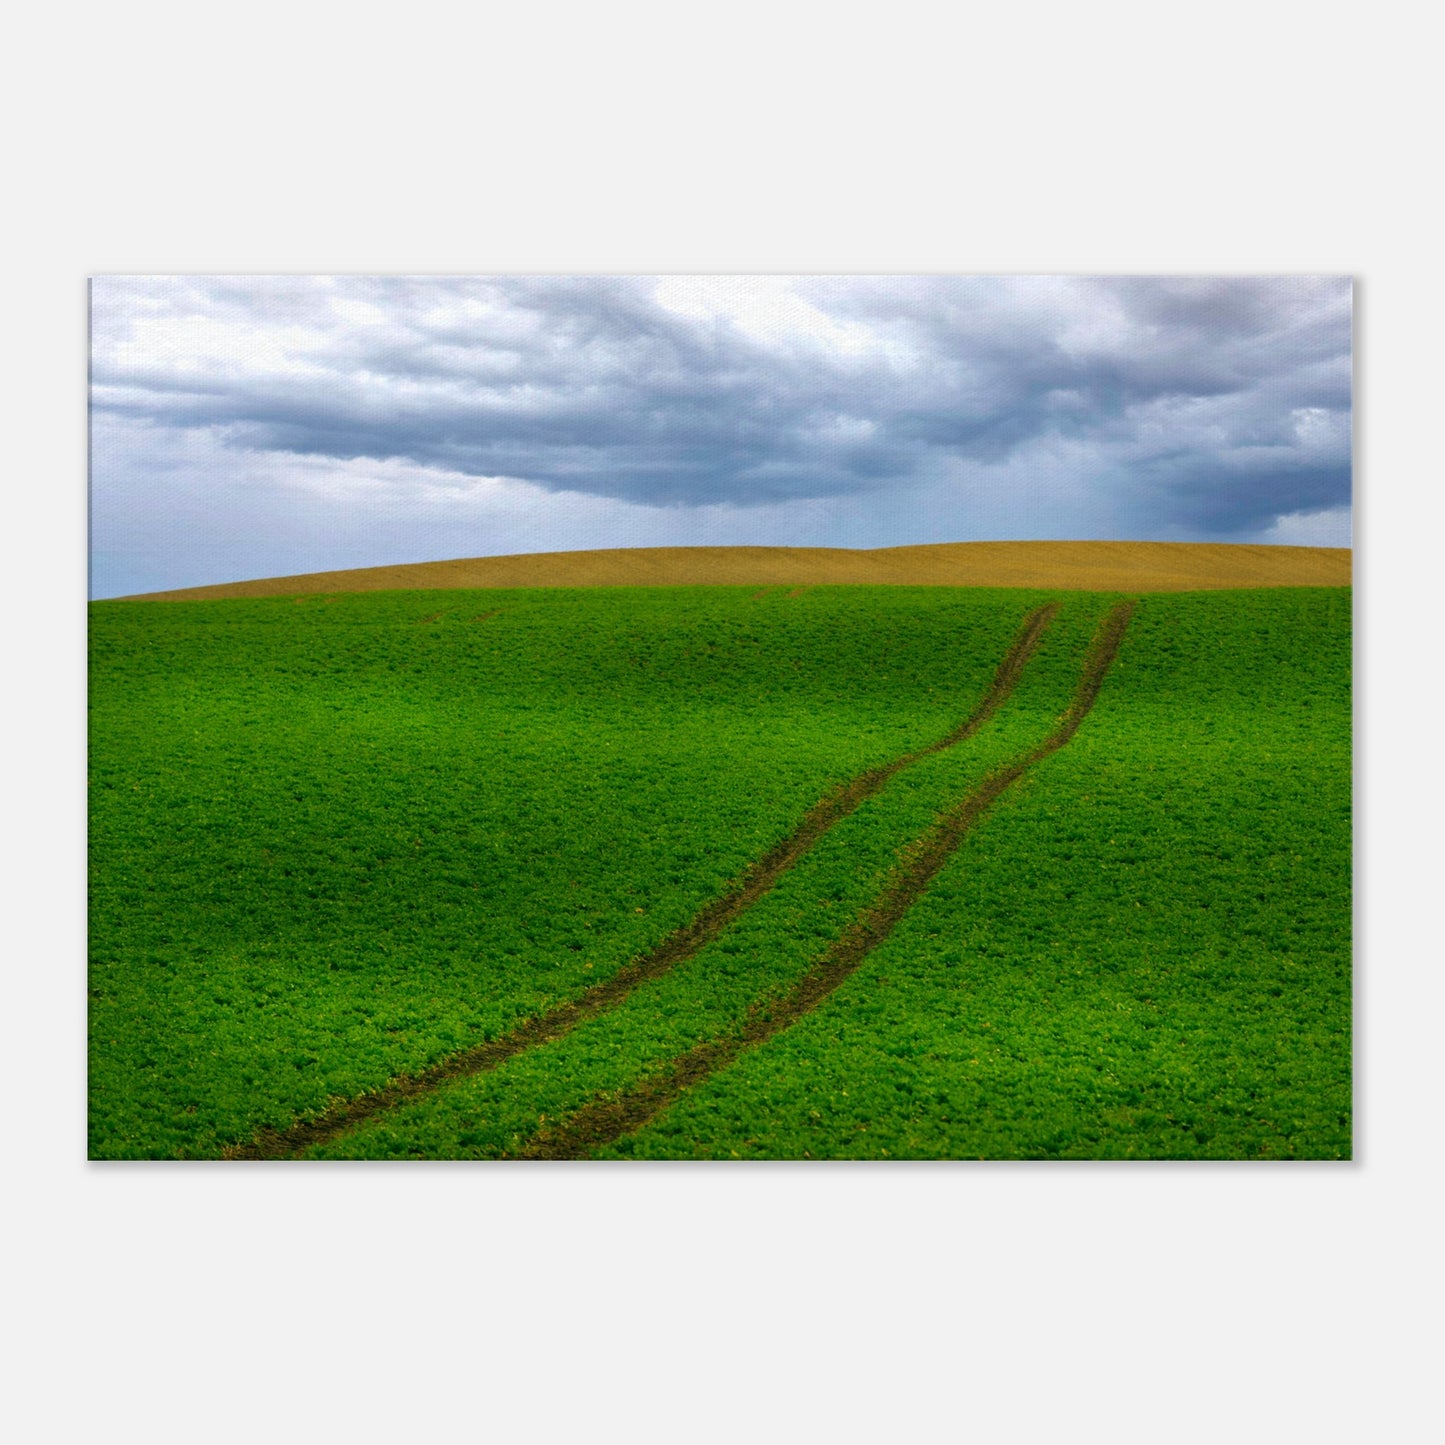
column 1084, row 566
column 776, row 871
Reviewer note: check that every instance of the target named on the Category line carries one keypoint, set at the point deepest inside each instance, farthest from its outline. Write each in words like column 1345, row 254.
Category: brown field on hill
column 1081, row 566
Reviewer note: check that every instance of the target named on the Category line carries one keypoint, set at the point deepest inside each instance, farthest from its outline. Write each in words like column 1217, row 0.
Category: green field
column 342, row 846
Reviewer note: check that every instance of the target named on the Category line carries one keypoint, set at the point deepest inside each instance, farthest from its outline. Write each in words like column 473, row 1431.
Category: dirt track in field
column 1051, row 566
column 608, row 1119
column 761, row 877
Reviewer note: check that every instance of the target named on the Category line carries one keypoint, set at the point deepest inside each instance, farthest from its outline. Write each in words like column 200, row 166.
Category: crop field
column 841, row 871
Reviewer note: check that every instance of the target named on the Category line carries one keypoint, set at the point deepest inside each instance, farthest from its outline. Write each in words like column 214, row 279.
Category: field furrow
column 1143, row 952
column 707, row 925
column 607, row 1120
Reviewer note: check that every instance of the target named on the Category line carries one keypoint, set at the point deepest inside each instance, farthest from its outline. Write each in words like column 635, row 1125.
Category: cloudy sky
column 249, row 426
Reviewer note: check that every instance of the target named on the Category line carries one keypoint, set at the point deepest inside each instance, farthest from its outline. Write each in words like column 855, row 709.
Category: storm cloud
column 941, row 407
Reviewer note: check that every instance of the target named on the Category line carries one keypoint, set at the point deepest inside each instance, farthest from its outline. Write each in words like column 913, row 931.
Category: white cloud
column 769, row 309
column 1330, row 528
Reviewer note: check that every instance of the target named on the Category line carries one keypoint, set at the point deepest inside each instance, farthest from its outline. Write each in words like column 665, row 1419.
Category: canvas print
column 720, row 718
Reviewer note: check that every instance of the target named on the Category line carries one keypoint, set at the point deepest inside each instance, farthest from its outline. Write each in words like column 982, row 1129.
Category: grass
column 333, row 842
column 1144, row 952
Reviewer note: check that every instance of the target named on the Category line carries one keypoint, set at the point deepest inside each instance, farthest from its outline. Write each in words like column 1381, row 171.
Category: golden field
column 1085, row 566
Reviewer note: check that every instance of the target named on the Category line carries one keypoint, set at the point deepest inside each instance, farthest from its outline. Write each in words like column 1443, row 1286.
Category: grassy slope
column 332, row 841
column 1145, row 951
column 764, row 952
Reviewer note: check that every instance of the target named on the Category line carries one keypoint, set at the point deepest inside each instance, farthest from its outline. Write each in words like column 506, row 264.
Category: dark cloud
column 1185, row 406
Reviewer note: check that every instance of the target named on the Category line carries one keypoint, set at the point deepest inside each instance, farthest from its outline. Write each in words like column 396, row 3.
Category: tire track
column 607, row 1120
column 757, row 880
